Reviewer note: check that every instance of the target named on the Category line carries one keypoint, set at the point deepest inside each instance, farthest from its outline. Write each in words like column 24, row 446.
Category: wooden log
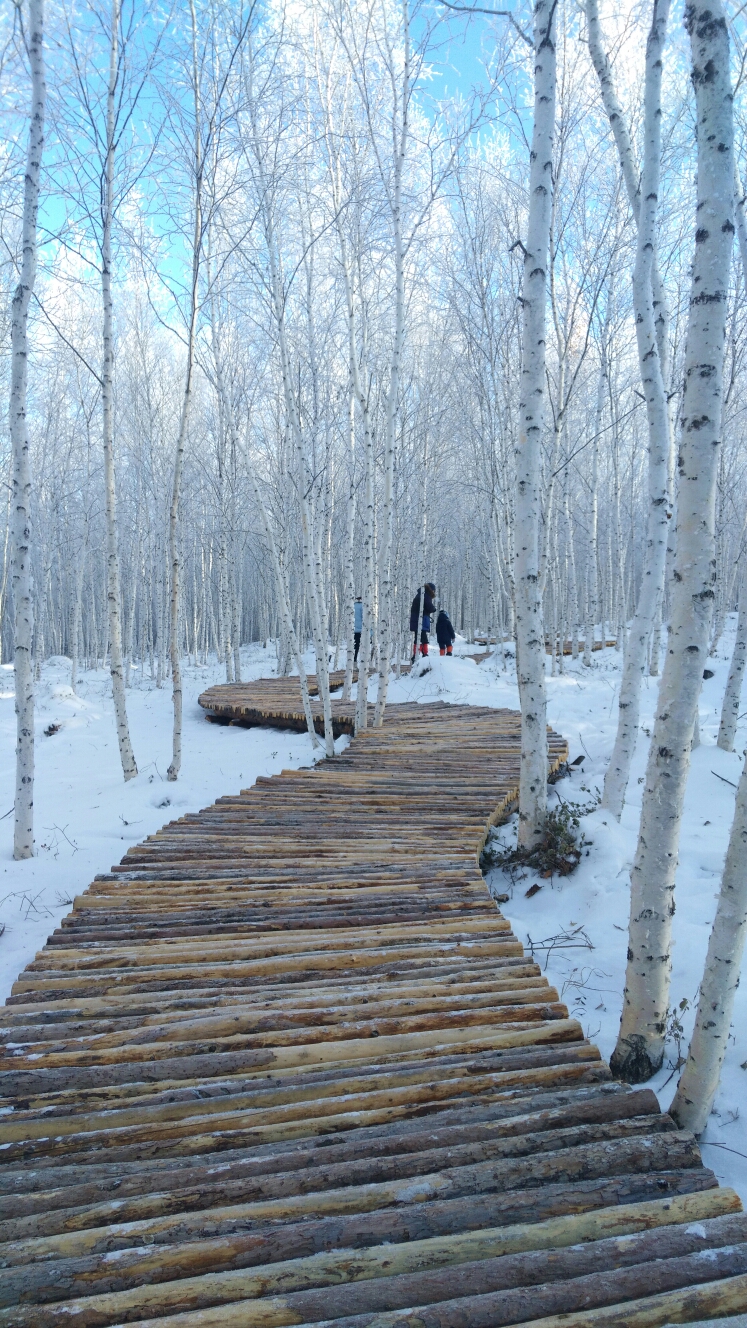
column 18, row 1081
column 492, row 1070
column 506, row 1256
column 647, row 1153
column 540, row 1305
column 510, row 1116
column 265, row 1015
column 256, row 970
column 200, row 1133
column 29, row 1191
column 193, row 1038
column 321, row 1177
column 459, row 978
column 709, row 1300
column 421, row 1221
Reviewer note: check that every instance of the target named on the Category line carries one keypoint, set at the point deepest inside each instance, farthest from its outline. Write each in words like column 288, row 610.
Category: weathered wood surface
column 287, row 1064
column 568, row 646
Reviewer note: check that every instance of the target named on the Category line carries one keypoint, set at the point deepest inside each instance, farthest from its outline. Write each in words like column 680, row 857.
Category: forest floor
column 86, row 818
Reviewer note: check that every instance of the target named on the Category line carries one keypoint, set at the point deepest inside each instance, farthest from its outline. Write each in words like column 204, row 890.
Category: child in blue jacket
column 445, row 634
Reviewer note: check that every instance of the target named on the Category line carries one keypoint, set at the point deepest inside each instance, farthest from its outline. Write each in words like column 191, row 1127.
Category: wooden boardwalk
column 287, row 1064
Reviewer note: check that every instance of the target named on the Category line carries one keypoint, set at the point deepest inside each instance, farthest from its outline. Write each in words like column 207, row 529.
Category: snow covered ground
column 86, row 817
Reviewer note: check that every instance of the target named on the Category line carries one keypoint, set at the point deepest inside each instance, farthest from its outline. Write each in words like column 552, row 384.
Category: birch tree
column 652, row 337
column 198, row 183
column 278, row 299
column 400, row 132
column 730, row 708
column 114, row 593
column 23, row 836
column 530, row 637
column 201, row 133
column 281, row 582
column 640, row 1045
column 727, row 730
column 699, row 1082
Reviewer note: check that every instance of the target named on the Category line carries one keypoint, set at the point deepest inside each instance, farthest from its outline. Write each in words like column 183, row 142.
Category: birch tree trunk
column 400, row 133
column 364, row 654
column 697, row 1087
column 730, row 708
column 309, row 544
column 530, row 643
column 236, row 597
column 281, row 581
column 6, row 564
column 77, row 614
column 358, row 389
column 651, row 319
column 22, row 579
column 174, row 642
column 640, row 1047
column 285, row 611
column 113, row 587
column 592, row 559
column 349, row 599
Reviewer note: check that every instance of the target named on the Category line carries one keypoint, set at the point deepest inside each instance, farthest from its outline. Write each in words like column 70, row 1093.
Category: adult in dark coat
column 445, row 634
column 429, row 605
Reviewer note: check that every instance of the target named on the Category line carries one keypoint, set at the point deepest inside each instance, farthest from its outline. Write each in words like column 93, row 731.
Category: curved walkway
column 287, row 1064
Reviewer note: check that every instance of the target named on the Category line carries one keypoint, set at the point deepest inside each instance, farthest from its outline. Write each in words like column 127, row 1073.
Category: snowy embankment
column 591, row 906
column 86, row 818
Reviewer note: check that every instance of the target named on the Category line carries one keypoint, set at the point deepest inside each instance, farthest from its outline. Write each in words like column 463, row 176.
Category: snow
column 87, row 817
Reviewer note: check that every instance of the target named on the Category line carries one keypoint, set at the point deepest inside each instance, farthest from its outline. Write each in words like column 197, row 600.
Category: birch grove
column 319, row 319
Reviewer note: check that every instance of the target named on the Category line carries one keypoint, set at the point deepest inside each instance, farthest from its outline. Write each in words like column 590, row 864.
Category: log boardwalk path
column 287, row 1064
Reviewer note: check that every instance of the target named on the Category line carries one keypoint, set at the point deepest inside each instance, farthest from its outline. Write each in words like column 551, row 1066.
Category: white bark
column 22, row 580
column 281, row 582
column 174, row 560
column 77, row 615
column 6, row 562
column 358, row 389
column 349, row 600
column 530, row 642
column 364, row 654
column 730, row 709
column 640, row 1047
column 652, row 340
column 655, row 645
column 285, row 611
column 113, row 588
column 697, row 1087
column 236, row 614
column 592, row 555
column 310, row 546
column 400, row 134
